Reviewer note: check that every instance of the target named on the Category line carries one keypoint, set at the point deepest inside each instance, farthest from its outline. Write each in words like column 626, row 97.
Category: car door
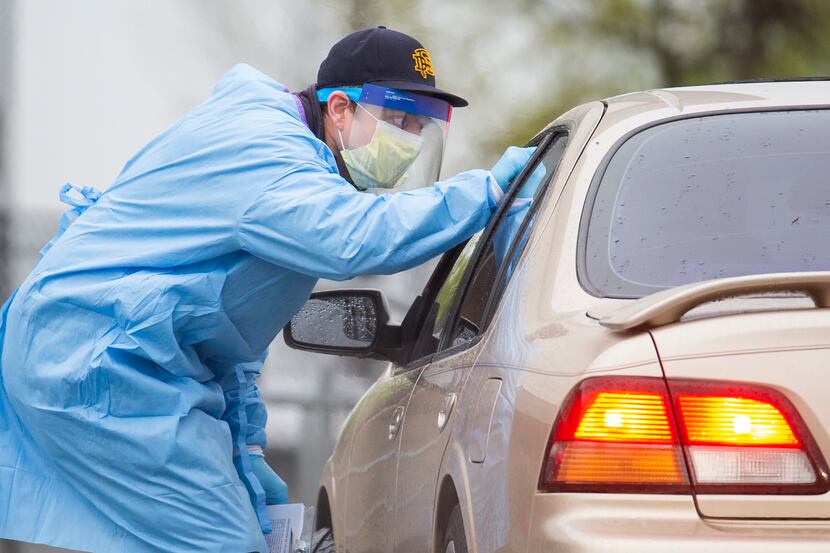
column 370, row 476
column 375, row 427
column 419, row 486
column 440, row 386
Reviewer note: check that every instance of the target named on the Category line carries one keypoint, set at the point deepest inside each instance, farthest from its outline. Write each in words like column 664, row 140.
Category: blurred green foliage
column 660, row 43
column 572, row 51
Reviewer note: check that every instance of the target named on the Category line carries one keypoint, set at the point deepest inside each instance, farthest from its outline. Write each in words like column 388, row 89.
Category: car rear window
column 711, row 197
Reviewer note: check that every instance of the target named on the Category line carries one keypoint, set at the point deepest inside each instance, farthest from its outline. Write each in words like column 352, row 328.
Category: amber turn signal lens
column 585, row 462
column 734, row 421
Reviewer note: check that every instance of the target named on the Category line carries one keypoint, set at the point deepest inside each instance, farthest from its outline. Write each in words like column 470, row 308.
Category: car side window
column 499, row 256
column 438, row 315
column 449, row 289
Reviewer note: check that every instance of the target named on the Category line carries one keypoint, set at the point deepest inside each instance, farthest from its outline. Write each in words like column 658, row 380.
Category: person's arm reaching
column 311, row 221
column 507, row 231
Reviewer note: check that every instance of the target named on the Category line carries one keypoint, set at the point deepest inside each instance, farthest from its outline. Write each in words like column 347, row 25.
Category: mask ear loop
column 342, row 143
column 340, row 135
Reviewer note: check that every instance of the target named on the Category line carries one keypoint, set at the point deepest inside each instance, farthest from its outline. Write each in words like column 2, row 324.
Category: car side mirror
column 352, row 323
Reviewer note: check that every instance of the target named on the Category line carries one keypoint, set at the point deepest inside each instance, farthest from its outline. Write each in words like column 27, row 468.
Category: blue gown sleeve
column 312, row 221
column 246, row 416
column 506, row 232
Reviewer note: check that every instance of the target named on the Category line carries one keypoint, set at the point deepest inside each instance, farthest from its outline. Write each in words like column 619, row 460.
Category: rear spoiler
column 669, row 306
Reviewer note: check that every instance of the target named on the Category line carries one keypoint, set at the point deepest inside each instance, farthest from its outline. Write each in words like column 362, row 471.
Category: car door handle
column 446, row 411
column 395, row 423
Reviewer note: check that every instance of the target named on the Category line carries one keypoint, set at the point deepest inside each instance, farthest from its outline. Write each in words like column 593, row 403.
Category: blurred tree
column 398, row 14
column 522, row 63
column 621, row 45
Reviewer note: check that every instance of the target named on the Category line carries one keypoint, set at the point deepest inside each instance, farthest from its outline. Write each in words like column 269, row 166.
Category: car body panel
column 635, row 109
column 658, row 523
column 785, row 350
column 482, row 421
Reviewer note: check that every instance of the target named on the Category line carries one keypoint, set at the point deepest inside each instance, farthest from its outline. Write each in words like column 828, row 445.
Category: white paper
column 286, row 524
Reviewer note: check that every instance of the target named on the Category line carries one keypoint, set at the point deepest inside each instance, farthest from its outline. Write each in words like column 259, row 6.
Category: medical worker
column 130, row 420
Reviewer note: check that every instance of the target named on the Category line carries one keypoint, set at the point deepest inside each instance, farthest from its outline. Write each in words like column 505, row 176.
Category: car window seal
column 488, row 233
column 413, row 364
column 429, row 292
column 543, row 143
column 456, row 349
column 492, row 301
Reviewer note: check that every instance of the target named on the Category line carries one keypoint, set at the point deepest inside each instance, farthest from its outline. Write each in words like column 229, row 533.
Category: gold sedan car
column 632, row 357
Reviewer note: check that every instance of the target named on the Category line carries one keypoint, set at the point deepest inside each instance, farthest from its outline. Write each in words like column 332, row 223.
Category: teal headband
column 353, row 92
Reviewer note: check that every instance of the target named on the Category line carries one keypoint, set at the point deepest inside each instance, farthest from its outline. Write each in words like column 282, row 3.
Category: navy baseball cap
column 382, row 57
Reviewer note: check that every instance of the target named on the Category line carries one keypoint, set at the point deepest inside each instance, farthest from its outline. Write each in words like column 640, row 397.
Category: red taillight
column 615, row 434
column 745, row 438
column 624, row 434
column 621, row 416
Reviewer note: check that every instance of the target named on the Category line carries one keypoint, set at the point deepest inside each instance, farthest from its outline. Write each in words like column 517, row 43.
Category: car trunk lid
column 786, row 351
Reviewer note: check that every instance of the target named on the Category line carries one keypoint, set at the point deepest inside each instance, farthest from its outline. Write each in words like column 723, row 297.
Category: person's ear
column 338, row 108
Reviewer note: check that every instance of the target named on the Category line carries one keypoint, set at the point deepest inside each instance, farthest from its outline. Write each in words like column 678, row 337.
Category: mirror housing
column 352, row 323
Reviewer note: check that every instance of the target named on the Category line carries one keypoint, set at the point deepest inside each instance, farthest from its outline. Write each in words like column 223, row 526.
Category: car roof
column 672, row 102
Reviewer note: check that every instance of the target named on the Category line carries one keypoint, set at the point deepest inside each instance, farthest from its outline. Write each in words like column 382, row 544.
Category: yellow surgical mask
column 383, row 161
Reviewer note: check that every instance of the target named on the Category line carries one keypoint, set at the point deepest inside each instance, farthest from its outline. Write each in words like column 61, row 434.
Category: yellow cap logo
column 423, row 63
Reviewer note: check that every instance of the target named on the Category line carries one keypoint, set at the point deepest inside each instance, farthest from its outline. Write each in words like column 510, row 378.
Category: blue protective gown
column 131, row 351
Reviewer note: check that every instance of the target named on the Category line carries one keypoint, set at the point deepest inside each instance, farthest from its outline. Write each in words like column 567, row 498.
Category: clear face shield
column 396, row 141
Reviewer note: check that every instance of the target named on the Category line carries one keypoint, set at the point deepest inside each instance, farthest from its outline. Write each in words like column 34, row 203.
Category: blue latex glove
column 529, row 187
column 276, row 490
column 510, row 165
